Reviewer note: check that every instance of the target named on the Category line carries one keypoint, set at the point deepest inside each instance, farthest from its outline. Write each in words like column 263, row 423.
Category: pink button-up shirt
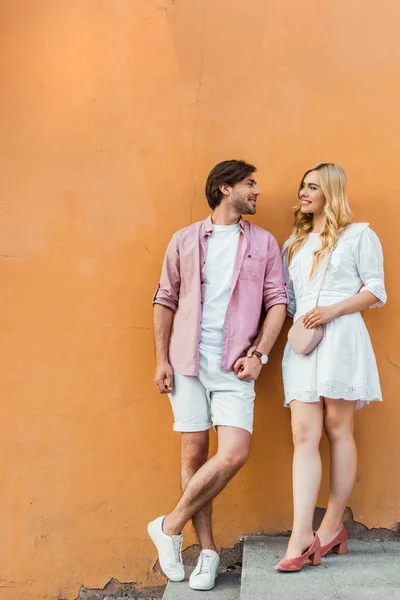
column 257, row 281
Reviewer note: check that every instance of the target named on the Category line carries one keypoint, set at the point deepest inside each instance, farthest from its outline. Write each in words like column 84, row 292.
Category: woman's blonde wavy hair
column 333, row 183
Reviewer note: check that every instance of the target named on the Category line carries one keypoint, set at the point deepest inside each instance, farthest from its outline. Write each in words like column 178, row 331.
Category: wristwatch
column 263, row 357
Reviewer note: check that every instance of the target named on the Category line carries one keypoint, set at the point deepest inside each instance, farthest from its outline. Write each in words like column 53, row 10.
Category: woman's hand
column 320, row 315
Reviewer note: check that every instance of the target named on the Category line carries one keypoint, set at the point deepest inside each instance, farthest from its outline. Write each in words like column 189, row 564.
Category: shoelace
column 205, row 563
column 177, row 542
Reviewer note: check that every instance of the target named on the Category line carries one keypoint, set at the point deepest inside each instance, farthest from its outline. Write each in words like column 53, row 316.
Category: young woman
column 324, row 387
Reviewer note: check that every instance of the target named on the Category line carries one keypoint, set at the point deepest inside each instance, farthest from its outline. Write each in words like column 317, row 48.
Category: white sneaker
column 169, row 550
column 203, row 577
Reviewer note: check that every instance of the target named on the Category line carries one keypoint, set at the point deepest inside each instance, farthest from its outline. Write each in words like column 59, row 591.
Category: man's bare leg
column 194, row 454
column 211, row 478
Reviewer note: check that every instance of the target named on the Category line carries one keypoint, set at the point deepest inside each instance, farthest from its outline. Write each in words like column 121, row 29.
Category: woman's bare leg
column 338, row 423
column 307, row 420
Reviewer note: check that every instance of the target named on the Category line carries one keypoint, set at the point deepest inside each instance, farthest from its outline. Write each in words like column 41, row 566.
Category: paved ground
column 370, row 571
column 227, row 587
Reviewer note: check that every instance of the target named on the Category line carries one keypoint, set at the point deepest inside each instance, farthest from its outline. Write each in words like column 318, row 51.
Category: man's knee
column 194, row 450
column 234, row 458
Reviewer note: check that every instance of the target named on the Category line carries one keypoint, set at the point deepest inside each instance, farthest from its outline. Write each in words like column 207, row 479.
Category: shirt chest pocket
column 253, row 268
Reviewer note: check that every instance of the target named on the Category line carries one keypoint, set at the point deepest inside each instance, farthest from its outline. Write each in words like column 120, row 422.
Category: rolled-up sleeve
column 369, row 260
column 167, row 292
column 274, row 282
column 289, row 283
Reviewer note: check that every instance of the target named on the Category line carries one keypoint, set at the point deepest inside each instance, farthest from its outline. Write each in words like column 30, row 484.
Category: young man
column 217, row 277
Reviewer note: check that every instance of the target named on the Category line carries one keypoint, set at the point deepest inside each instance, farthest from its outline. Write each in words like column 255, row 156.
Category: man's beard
column 242, row 206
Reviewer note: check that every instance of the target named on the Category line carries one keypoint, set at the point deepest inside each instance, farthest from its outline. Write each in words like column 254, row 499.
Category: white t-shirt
column 221, row 256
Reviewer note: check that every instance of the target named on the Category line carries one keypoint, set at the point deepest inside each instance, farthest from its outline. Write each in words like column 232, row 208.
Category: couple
column 218, row 278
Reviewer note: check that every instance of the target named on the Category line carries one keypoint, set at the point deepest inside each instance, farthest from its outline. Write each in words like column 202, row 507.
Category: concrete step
column 227, row 587
column 370, row 571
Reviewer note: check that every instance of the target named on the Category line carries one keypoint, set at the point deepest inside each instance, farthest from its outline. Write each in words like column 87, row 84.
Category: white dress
column 343, row 365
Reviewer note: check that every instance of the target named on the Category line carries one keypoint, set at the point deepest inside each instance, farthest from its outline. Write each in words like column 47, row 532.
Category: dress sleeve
column 369, row 260
column 291, row 309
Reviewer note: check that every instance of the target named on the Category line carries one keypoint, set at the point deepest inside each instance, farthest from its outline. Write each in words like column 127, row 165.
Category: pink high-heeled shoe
column 338, row 545
column 296, row 564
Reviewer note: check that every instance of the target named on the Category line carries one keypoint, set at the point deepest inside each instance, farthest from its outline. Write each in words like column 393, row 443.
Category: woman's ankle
column 299, row 542
column 301, row 537
column 329, row 529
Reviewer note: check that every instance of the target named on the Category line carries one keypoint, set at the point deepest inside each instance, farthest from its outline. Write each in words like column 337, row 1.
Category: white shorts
column 212, row 398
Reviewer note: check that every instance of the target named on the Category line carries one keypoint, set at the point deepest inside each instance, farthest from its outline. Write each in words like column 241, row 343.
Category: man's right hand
column 164, row 378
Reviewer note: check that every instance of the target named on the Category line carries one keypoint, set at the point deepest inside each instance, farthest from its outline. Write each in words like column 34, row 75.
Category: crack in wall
column 101, row 412
column 8, row 583
column 392, row 362
column 198, row 107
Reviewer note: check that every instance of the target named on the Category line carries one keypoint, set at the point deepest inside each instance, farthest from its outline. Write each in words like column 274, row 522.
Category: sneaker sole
column 171, row 578
column 202, row 588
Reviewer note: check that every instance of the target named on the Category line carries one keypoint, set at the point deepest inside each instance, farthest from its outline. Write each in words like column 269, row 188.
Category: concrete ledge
column 370, row 571
column 227, row 587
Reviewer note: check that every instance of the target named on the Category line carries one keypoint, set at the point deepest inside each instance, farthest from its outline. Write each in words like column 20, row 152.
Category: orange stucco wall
column 112, row 114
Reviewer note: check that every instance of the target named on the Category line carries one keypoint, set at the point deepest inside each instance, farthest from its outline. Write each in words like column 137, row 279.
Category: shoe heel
column 340, row 548
column 315, row 559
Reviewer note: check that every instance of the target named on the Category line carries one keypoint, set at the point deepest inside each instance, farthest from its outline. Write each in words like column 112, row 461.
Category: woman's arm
column 323, row 314
column 369, row 262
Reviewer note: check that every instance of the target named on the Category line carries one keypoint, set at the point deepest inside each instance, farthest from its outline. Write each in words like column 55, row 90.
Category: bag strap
column 331, row 251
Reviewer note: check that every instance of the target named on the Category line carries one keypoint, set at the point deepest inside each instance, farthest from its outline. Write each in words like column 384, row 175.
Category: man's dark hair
column 228, row 172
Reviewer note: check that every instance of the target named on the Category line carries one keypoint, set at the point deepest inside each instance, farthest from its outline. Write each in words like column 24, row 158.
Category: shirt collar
column 208, row 225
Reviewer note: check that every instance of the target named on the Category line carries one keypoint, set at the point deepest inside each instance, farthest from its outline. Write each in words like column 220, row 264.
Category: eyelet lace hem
column 361, row 395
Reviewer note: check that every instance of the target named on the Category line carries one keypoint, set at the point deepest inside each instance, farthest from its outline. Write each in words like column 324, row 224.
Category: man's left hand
column 248, row 368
